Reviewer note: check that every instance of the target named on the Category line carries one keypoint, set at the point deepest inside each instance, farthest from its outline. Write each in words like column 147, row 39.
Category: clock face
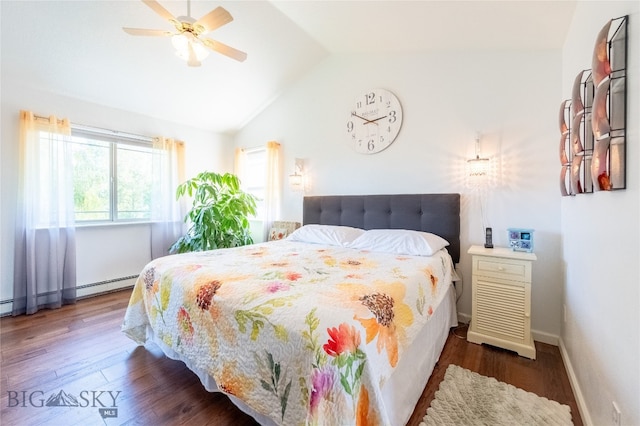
column 374, row 121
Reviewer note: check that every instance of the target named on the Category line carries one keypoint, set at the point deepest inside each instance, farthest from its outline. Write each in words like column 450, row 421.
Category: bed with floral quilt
column 333, row 325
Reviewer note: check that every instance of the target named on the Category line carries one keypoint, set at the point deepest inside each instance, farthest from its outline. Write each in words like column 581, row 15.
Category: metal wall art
column 592, row 123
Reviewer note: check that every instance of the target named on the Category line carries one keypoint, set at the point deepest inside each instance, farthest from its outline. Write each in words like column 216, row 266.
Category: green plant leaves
column 219, row 216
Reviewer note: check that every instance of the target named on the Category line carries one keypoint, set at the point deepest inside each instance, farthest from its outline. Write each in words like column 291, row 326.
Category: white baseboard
column 575, row 386
column 6, row 308
column 464, row 318
column 544, row 337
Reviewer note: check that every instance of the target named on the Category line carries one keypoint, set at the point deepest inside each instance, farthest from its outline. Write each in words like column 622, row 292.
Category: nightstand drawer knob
column 501, row 268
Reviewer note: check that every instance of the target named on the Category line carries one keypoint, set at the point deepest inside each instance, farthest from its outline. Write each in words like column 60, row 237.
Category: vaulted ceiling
column 78, row 48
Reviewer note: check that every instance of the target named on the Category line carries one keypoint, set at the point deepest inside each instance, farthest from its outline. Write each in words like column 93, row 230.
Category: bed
column 342, row 322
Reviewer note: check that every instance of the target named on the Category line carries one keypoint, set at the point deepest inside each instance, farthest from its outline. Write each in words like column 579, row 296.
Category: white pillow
column 399, row 241
column 326, row 234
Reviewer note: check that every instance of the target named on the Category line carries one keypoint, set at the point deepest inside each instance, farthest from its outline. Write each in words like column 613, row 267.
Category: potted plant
column 219, row 216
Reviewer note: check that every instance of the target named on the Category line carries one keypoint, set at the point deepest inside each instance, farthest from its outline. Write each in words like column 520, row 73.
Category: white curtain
column 240, row 164
column 45, row 247
column 166, row 211
column 272, row 190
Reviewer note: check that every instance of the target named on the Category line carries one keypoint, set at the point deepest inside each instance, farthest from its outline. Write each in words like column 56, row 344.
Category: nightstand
column 501, row 299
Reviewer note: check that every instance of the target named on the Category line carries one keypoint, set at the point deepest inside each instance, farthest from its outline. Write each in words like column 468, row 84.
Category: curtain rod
column 109, row 132
column 40, row 117
column 253, row 149
column 102, row 130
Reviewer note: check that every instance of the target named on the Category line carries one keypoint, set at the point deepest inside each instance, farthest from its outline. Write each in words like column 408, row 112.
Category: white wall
column 600, row 231
column 510, row 97
column 104, row 252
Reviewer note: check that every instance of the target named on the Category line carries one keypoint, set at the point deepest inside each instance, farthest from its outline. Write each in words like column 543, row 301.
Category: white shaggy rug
column 468, row 398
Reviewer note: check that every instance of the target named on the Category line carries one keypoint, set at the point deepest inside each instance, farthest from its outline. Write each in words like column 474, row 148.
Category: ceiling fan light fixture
column 182, row 41
column 187, row 42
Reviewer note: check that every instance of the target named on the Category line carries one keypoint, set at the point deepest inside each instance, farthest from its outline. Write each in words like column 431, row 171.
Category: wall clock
column 374, row 121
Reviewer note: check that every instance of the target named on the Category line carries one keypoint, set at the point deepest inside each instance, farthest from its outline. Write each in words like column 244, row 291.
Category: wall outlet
column 615, row 414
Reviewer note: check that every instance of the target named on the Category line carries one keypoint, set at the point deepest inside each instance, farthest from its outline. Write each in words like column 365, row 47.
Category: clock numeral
column 376, row 117
column 350, row 126
column 370, row 98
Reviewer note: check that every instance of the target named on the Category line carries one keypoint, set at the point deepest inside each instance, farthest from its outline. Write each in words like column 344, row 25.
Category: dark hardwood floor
column 79, row 350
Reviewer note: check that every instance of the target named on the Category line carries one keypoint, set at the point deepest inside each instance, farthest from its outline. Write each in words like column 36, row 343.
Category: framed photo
column 277, row 234
column 521, row 239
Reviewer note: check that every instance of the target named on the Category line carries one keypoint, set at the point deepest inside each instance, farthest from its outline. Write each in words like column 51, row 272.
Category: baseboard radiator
column 106, row 286
column 85, row 290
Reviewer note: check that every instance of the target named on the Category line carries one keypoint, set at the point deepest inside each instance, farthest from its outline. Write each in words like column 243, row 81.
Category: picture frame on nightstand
column 521, row 239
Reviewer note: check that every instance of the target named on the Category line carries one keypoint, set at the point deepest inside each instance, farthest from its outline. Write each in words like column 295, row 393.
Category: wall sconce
column 296, row 180
column 479, row 173
column 479, row 177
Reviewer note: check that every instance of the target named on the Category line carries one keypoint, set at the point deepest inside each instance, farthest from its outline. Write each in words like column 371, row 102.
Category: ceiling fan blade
column 143, row 32
column 157, row 7
column 214, row 19
column 193, row 60
column 224, row 49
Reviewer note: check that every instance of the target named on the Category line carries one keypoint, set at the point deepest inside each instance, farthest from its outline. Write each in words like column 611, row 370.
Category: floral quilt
column 302, row 333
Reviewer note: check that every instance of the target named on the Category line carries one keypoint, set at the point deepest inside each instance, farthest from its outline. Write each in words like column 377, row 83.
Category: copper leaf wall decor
column 593, row 123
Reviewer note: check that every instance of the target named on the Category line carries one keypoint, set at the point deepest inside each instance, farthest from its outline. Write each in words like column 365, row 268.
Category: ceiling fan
column 188, row 39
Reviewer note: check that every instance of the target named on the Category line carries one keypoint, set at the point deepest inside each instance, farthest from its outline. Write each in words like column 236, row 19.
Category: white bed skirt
column 403, row 389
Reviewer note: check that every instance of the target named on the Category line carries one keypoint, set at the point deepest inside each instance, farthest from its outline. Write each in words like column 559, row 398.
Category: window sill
column 112, row 224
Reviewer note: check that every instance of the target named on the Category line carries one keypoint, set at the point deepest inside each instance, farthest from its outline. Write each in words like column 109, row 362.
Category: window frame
column 115, row 139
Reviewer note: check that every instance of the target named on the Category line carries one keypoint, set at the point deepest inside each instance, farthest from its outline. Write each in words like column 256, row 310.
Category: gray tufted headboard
column 435, row 213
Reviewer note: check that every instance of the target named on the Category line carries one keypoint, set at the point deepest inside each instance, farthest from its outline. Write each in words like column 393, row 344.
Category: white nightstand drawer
column 507, row 269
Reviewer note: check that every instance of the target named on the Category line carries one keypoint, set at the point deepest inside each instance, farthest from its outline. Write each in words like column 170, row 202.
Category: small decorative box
column 521, row 239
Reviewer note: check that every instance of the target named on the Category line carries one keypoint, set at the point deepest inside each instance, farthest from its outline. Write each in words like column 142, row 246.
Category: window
column 253, row 179
column 112, row 175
